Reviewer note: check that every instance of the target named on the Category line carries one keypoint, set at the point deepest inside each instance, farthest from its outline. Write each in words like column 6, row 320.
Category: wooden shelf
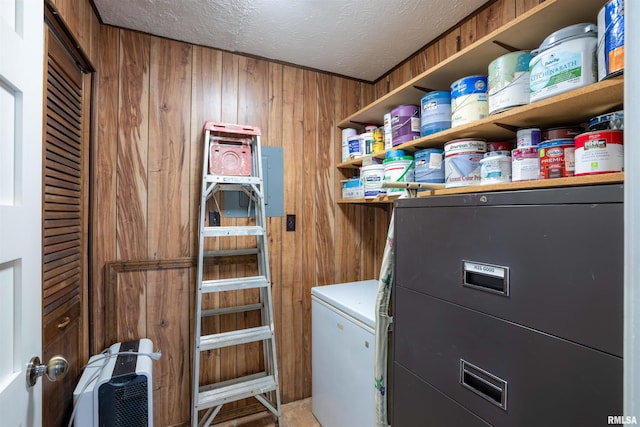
column 526, row 32
column 569, row 108
column 610, row 178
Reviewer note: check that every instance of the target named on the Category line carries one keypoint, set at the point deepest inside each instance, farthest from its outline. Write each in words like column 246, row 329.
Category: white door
column 21, row 76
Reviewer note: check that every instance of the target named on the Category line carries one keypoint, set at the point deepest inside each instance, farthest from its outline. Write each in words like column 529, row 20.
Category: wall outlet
column 291, row 222
column 214, row 219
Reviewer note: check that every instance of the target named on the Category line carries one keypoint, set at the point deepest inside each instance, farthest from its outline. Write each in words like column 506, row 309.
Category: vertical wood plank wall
column 153, row 96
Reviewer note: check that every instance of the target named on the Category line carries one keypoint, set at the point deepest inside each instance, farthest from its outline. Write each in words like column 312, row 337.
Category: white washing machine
column 343, row 348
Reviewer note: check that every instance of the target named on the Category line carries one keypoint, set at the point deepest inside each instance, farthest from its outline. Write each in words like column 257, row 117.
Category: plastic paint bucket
column 508, row 81
column 495, row 167
column 355, row 148
column 372, row 177
column 469, row 100
column 525, row 164
column 613, row 121
column 557, row 158
column 611, row 39
column 429, row 165
column 599, row 152
column 529, row 137
column 405, row 124
column 462, row 162
column 398, row 169
column 346, row 133
column 565, row 60
column 394, row 153
column 366, row 143
column 436, row 112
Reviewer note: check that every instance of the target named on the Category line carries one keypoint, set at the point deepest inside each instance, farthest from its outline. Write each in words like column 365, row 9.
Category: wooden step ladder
column 227, row 149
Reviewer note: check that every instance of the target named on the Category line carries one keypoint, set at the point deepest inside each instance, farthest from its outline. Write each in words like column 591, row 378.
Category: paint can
column 436, row 112
column 611, row 39
column 405, row 124
column 346, row 133
column 557, row 158
column 372, row 177
column 462, row 161
column 525, row 164
column 613, row 121
column 529, row 137
column 355, row 148
column 370, row 128
column 429, row 165
column 508, row 81
column 469, row 100
column 387, row 131
column 599, row 152
column 398, row 169
column 495, row 167
column 366, row 143
column 499, row 146
column 568, row 132
column 378, row 140
column 565, row 60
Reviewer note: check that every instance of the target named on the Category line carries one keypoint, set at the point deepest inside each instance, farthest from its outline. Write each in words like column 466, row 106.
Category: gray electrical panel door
column 237, row 205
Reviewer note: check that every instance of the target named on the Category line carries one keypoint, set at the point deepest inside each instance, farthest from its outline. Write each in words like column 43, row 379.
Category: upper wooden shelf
column 569, row 108
column 526, row 32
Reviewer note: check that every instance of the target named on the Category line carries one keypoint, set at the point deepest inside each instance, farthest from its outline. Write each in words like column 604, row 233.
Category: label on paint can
column 346, row 133
column 599, row 152
column 525, row 164
column 557, row 158
column 462, row 162
column 355, row 148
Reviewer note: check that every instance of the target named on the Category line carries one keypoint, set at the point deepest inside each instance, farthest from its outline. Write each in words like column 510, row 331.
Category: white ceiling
column 357, row 38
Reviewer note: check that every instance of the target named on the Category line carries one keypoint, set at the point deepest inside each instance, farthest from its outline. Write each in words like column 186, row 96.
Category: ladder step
column 241, row 336
column 231, row 179
column 237, row 391
column 234, row 284
column 231, row 310
column 251, row 230
column 230, row 252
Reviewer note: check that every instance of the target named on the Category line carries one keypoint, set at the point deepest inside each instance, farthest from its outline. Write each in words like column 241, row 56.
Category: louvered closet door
column 64, row 222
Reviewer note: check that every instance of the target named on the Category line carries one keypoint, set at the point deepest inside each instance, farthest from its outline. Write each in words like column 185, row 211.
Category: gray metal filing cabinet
column 508, row 308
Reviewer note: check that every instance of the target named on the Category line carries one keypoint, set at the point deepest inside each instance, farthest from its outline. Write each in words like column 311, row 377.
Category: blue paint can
column 429, row 166
column 436, row 112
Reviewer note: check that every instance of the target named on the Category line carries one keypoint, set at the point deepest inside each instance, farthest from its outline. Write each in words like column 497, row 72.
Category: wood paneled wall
column 154, row 96
column 490, row 17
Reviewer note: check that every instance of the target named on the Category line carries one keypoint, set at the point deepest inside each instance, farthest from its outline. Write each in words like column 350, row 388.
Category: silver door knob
column 55, row 369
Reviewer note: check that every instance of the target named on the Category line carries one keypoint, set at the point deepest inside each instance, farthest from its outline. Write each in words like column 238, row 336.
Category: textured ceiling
column 358, row 38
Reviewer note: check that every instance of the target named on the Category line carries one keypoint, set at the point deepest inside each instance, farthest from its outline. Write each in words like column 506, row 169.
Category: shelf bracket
column 507, row 127
column 506, row 46
column 423, row 89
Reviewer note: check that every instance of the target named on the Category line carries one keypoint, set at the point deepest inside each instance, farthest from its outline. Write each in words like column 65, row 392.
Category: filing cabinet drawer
column 547, row 259
column 419, row 404
column 506, row 374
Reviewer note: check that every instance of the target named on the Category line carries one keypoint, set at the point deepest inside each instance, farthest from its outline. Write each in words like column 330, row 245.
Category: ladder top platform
column 231, row 128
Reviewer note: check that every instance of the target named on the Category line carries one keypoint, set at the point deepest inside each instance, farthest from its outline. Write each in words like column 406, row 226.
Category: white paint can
column 469, row 100
column 462, row 161
column 509, row 81
column 372, row 177
column 346, row 133
column 495, row 167
column 525, row 164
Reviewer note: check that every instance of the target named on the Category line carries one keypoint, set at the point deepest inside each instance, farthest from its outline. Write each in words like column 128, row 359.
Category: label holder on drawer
column 484, row 384
column 486, row 277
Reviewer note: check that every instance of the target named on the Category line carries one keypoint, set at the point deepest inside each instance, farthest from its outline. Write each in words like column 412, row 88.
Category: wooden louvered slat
column 50, row 181
column 64, row 117
column 55, row 224
column 56, row 231
column 65, row 274
column 63, row 141
column 61, row 156
column 61, row 164
column 60, row 191
column 61, row 91
column 49, row 269
column 56, row 300
column 62, row 176
column 57, row 122
column 61, row 254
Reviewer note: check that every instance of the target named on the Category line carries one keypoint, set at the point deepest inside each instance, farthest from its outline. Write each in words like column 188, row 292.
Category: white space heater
column 115, row 388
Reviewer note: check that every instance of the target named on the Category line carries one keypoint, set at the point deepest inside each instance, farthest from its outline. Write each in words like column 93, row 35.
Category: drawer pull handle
column 484, row 384
column 486, row 277
column 65, row 322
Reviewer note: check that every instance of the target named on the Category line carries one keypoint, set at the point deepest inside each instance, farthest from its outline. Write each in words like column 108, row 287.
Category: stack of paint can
column 525, row 160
